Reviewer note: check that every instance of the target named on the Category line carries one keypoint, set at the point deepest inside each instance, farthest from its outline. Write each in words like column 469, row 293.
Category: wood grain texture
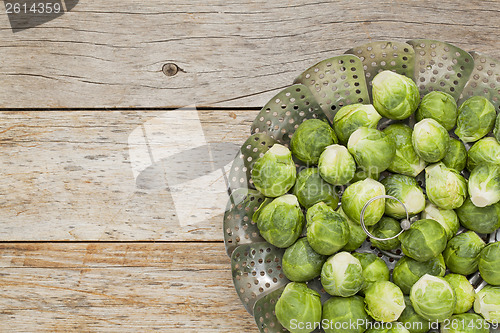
column 134, row 287
column 69, row 175
column 107, row 54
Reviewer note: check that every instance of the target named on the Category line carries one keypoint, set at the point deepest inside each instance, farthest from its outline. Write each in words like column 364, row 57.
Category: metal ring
column 405, row 224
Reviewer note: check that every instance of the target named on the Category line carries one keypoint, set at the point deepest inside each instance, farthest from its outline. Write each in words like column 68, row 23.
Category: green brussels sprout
column 487, row 304
column 274, row 173
column 310, row 189
column 336, row 165
column 374, row 269
column 445, row 187
column 484, row 185
column 339, row 314
column 280, row 221
column 405, row 189
column 342, row 275
column 430, row 140
column 357, row 235
column 425, row 240
column 433, row 298
column 362, row 174
column 299, row 308
column 463, row 290
column 456, row 155
column 353, row 116
column 395, row 96
column 408, row 271
column 327, row 230
column 446, row 217
column 465, row 323
column 486, row 150
column 310, row 139
column 395, row 327
column 372, row 149
column 439, row 106
column 357, row 195
column 384, row 301
column 387, row 227
column 412, row 320
column 406, row 161
column 462, row 253
column 301, row 263
column 483, row 220
column 496, row 130
column 489, row 264
column 476, row 117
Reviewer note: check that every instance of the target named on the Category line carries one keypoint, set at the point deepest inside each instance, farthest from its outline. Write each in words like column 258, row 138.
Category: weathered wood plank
column 88, row 175
column 108, row 54
column 125, row 287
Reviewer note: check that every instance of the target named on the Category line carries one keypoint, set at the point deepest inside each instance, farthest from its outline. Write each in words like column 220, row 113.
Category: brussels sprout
column 465, row 323
column 489, row 264
column 372, row 149
column 425, row 240
column 357, row 234
column 310, row 189
column 430, row 140
column 342, row 275
column 462, row 253
column 484, row 220
column 446, row 217
column 336, row 165
column 496, row 130
column 486, row 150
column 487, row 304
column 357, row 195
column 374, row 269
column 412, row 320
column 456, row 155
column 433, row 298
column 407, row 191
column 393, row 327
column 362, row 174
column 445, row 187
column 395, row 96
column 274, row 173
column 342, row 312
column 351, row 117
column 439, row 106
column 280, row 221
column 327, row 230
column 463, row 290
column 408, row 271
column 299, row 308
column 476, row 117
column 384, row 301
column 301, row 263
column 484, row 185
column 310, row 139
column 406, row 161
column 387, row 227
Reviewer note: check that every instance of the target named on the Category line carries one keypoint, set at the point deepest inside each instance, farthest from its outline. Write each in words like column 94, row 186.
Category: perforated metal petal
column 441, row 66
column 256, row 271
column 253, row 148
column 281, row 116
column 264, row 313
column 336, row 82
column 239, row 228
column 484, row 80
column 385, row 55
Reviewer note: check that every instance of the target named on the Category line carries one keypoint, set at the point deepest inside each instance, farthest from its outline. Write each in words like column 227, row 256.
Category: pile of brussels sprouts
column 429, row 283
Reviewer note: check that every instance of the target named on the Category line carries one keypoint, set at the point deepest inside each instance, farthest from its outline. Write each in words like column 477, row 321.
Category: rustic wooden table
column 86, row 244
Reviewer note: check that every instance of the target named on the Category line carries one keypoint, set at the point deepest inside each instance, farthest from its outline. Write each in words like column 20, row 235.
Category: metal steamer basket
column 320, row 92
